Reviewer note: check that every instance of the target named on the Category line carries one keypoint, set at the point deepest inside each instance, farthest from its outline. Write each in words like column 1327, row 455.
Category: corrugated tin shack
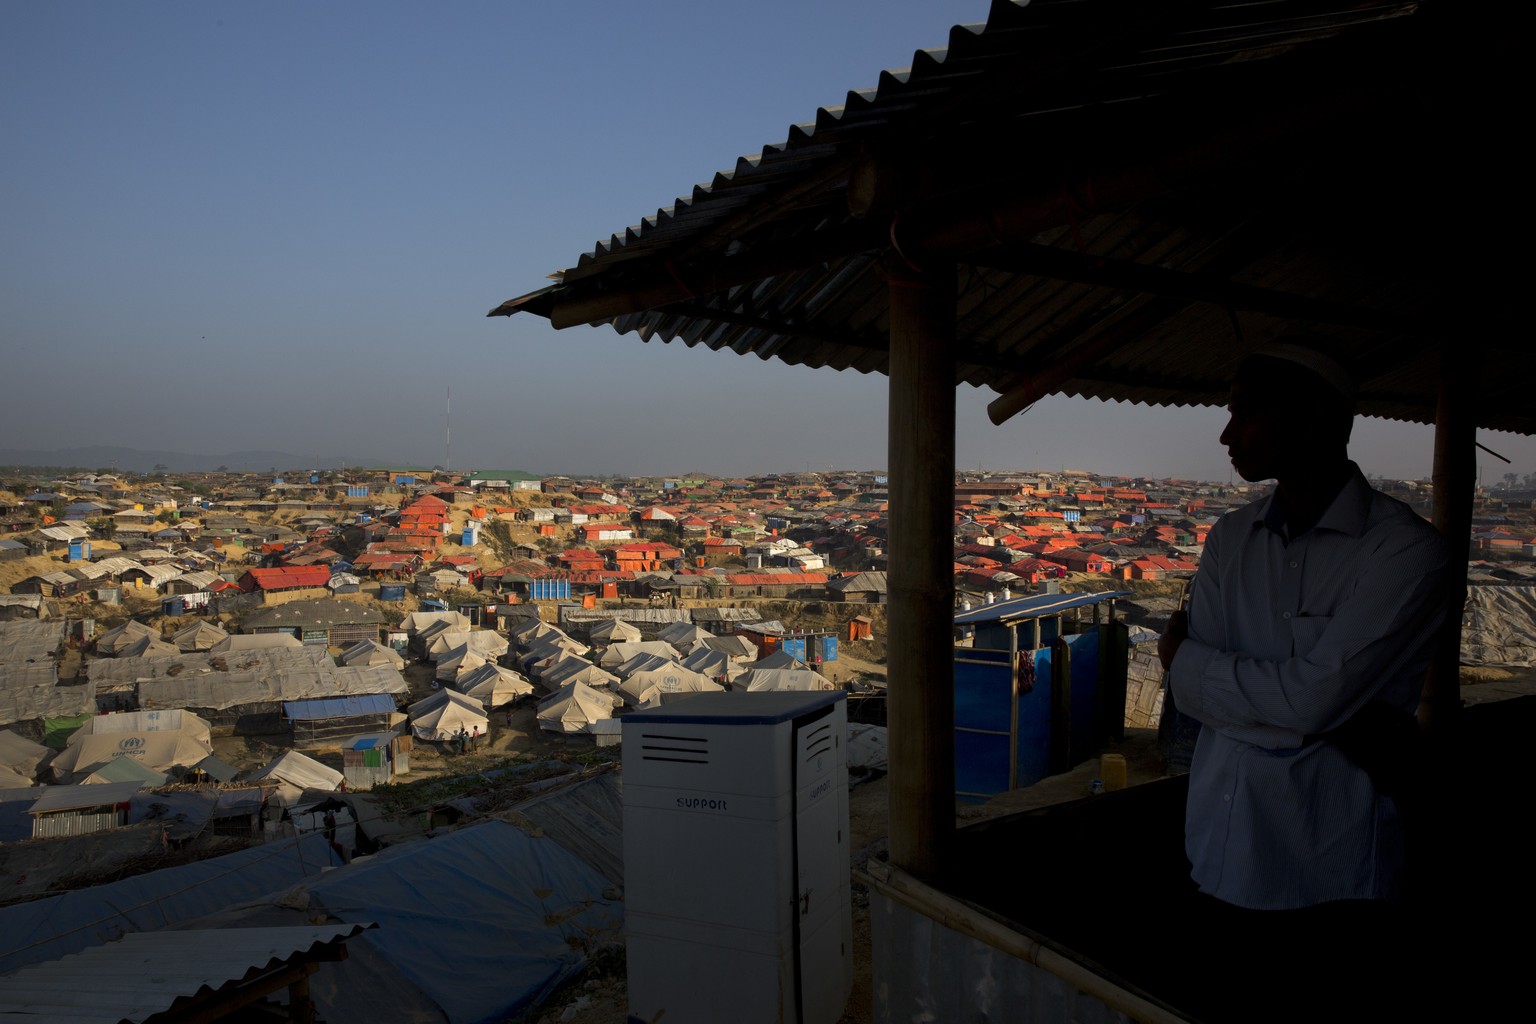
column 369, row 761
column 79, row 810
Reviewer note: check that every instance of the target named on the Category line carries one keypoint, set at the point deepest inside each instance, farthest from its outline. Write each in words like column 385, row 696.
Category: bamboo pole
column 1455, row 478
column 921, row 457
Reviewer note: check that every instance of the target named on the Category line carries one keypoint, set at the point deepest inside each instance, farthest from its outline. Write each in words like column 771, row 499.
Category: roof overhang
column 1133, row 196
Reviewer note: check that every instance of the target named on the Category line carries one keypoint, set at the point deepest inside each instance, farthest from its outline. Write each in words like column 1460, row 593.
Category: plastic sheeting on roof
column 47, row 929
column 337, row 707
column 587, row 818
column 486, row 920
column 186, row 813
column 219, row 690
column 243, row 642
column 1499, row 626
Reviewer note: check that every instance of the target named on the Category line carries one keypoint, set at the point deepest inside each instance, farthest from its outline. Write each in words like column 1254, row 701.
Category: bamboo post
column 1455, row 477
column 921, row 457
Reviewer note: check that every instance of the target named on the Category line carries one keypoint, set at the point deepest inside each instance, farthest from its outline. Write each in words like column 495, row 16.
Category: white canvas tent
column 20, row 759
column 571, row 669
column 460, row 659
column 416, row 622
column 683, row 634
column 437, row 718
column 294, row 773
column 148, row 647
column 200, row 636
column 156, row 740
column 777, row 660
column 642, row 663
column 572, row 709
column 614, row 631
column 618, row 654
column 531, row 630
column 737, row 648
column 488, row 644
column 714, row 664
column 781, row 679
column 644, row 689
column 552, row 643
column 492, row 685
column 371, row 652
column 120, row 637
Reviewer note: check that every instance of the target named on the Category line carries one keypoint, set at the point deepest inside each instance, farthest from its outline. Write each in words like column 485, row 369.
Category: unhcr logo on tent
column 131, row 743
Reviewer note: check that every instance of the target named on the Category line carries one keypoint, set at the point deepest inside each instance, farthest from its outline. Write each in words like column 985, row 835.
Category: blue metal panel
column 794, row 646
column 1036, row 710
column 829, row 648
column 995, row 714
column 983, row 723
column 1084, row 653
column 550, row 589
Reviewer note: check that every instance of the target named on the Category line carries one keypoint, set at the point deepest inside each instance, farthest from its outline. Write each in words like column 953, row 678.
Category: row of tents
column 584, row 684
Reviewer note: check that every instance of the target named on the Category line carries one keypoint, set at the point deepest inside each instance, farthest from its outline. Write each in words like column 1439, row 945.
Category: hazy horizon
column 279, row 226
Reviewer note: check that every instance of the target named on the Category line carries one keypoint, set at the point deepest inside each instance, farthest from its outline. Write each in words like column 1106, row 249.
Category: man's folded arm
column 1379, row 629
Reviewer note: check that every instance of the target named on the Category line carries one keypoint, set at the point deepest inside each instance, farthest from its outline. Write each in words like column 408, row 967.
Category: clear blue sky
column 278, row 225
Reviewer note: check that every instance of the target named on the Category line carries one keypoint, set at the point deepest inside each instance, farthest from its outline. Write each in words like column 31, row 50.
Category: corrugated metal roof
column 146, row 973
column 1034, row 607
column 1136, row 193
column 72, row 798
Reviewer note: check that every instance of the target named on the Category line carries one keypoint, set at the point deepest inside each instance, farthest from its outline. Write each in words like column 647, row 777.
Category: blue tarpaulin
column 47, row 929
column 485, row 921
column 337, row 707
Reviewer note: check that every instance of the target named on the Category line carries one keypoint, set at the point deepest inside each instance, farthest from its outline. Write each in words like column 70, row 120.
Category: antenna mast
column 448, row 434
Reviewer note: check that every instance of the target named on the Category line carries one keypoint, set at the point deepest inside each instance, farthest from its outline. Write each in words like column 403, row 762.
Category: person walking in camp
column 474, row 738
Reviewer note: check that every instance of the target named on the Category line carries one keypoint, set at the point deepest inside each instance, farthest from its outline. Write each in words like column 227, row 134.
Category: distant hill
column 135, row 460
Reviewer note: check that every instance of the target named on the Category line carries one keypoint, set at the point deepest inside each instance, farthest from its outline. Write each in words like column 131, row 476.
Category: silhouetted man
column 1303, row 653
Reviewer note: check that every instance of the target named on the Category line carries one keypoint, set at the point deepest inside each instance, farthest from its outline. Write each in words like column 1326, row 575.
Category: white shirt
column 1287, row 640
